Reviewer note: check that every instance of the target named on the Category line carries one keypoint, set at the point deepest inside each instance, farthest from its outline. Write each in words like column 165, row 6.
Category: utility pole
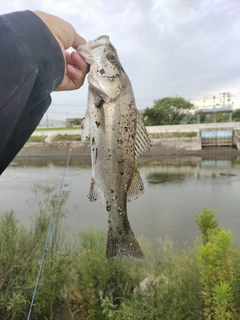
column 224, row 94
column 229, row 98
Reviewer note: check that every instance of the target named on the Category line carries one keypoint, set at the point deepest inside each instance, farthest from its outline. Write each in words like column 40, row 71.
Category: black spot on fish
column 121, row 172
column 112, row 191
column 102, row 71
column 119, row 141
column 108, row 207
column 120, row 211
column 97, row 124
column 98, row 102
column 93, row 141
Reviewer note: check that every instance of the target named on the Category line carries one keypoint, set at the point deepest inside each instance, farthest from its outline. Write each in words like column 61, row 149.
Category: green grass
column 172, row 135
column 67, row 137
column 77, row 281
column 58, row 128
column 37, row 138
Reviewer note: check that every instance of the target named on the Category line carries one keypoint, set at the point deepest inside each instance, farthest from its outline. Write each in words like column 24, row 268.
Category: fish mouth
column 85, row 50
column 86, row 55
column 100, row 41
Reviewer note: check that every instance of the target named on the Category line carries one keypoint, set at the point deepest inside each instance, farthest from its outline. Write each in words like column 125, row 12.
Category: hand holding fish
column 75, row 66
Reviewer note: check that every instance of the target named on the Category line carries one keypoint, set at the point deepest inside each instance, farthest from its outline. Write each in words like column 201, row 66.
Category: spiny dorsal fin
column 142, row 141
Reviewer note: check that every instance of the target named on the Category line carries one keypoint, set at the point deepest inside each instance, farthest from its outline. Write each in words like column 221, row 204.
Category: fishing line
column 48, row 236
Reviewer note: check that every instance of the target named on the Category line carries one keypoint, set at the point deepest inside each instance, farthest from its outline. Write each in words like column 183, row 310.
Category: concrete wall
column 175, row 145
column 194, row 127
column 158, row 129
column 236, row 139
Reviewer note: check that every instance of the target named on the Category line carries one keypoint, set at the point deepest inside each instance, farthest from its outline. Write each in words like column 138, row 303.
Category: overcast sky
column 188, row 48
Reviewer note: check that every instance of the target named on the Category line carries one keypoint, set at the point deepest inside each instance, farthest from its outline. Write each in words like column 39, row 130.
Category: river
column 175, row 190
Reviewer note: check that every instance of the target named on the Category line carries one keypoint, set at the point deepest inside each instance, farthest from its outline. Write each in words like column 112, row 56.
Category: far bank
column 160, row 148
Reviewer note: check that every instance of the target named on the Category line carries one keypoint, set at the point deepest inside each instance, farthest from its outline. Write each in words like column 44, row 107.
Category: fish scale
column 117, row 138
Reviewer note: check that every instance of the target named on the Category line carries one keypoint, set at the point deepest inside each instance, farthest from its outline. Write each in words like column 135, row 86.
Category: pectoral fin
column 94, row 193
column 85, row 127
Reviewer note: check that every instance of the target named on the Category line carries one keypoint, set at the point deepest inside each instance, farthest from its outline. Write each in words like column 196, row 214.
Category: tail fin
column 123, row 244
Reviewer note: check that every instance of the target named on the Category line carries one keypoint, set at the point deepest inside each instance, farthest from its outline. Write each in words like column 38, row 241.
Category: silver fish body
column 117, row 137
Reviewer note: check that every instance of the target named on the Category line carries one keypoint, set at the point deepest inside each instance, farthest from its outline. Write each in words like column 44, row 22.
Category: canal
column 176, row 189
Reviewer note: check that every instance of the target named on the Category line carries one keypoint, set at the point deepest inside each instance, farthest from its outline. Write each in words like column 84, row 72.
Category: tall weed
column 217, row 257
column 77, row 282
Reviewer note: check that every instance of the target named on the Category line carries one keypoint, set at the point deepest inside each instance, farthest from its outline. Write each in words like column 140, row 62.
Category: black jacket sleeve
column 31, row 67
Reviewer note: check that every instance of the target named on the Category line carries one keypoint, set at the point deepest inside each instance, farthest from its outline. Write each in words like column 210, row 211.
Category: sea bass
column 117, row 137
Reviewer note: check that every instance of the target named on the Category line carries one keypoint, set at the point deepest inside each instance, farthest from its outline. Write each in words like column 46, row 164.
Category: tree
column 236, row 115
column 166, row 111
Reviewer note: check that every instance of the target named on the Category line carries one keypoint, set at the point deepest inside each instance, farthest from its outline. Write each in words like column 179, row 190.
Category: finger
column 76, row 77
column 77, row 40
column 77, row 61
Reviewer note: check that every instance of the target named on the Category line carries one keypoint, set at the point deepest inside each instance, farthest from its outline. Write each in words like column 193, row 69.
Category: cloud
column 187, row 48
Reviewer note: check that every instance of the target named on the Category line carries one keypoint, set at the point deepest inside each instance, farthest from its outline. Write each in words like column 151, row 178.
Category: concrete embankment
column 160, row 147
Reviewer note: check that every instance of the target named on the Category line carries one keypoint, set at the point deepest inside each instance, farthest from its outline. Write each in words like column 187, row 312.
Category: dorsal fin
column 142, row 141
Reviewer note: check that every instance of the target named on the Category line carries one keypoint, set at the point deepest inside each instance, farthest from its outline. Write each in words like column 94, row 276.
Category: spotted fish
column 117, row 136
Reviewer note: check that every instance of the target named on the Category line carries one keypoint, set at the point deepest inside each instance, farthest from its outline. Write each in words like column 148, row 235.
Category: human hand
column 75, row 66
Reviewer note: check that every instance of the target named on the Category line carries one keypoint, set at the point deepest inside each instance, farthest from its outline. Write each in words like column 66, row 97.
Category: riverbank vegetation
column 67, row 137
column 200, row 281
column 37, row 138
column 162, row 135
column 57, row 128
column 77, row 137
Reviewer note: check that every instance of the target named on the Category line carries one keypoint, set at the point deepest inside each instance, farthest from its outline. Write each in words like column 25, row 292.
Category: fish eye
column 112, row 58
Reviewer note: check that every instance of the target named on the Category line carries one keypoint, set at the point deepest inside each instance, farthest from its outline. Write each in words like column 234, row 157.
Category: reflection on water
column 50, row 162
column 163, row 177
column 175, row 190
column 216, row 163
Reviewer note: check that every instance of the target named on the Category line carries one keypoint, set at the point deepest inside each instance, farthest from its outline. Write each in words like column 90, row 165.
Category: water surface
column 175, row 190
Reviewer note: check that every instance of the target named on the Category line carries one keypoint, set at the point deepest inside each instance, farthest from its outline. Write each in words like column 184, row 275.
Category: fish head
column 106, row 75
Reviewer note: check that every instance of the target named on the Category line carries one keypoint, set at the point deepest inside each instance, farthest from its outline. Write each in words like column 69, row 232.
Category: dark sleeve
column 31, row 67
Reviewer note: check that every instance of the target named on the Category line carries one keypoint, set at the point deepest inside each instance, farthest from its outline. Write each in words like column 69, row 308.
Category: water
column 175, row 190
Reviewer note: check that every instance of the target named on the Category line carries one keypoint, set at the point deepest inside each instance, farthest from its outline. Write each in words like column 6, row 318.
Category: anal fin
column 136, row 187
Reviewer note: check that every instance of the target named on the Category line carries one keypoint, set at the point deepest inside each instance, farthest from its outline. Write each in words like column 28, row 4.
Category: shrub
column 217, row 258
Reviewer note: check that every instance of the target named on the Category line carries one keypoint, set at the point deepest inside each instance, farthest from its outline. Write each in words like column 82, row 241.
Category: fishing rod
column 48, row 236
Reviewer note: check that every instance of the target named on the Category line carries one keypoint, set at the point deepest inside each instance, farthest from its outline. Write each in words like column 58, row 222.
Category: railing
column 188, row 116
